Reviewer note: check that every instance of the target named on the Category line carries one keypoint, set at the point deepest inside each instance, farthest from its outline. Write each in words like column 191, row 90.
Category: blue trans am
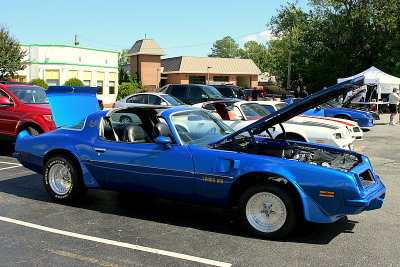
column 186, row 153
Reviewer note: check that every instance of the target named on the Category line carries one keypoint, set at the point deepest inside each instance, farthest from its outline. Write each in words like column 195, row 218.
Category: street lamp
column 208, row 75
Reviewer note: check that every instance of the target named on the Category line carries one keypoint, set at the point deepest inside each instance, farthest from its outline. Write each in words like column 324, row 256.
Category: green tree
column 337, row 38
column 258, row 53
column 39, row 82
column 226, row 47
column 11, row 55
column 73, row 82
column 122, row 58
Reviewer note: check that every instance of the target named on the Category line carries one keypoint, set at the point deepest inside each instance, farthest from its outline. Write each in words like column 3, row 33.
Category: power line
column 174, row 47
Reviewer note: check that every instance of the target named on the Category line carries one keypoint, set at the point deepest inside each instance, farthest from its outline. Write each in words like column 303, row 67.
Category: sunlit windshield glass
column 199, row 127
column 211, row 91
column 333, row 103
column 281, row 105
column 173, row 100
column 254, row 111
column 30, row 95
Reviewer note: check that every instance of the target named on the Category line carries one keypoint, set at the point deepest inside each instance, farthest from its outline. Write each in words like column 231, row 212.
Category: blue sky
column 181, row 28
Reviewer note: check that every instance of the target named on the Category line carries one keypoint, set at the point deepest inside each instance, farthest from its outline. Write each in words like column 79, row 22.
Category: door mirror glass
column 4, row 101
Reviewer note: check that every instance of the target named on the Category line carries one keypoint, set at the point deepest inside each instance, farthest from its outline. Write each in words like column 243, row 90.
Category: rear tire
column 268, row 211
column 62, row 179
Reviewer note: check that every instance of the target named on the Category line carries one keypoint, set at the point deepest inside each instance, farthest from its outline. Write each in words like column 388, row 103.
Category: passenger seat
column 136, row 134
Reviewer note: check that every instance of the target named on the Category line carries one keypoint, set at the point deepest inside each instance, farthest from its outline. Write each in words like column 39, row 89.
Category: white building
column 58, row 63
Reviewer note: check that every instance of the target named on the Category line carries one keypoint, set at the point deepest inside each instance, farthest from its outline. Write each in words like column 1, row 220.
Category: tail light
column 113, row 105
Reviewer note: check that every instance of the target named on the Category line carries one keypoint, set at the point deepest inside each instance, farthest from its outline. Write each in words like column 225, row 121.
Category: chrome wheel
column 60, row 179
column 266, row 212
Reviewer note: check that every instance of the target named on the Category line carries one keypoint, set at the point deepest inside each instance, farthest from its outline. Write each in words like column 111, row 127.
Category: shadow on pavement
column 169, row 212
column 6, row 148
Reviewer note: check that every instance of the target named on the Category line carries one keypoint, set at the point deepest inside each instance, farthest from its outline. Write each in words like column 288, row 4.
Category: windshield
column 30, row 95
column 254, row 111
column 199, row 127
column 331, row 104
column 211, row 91
column 173, row 100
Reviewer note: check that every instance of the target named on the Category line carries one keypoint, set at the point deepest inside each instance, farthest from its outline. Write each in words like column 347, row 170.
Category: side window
column 196, row 92
column 141, row 99
column 164, row 89
column 179, row 91
column 269, row 108
column 2, row 93
column 154, row 100
column 237, row 112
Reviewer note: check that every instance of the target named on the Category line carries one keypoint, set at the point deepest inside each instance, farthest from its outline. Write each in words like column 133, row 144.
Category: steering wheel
column 212, row 130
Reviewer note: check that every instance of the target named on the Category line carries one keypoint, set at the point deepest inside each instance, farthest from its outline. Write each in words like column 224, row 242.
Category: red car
column 23, row 107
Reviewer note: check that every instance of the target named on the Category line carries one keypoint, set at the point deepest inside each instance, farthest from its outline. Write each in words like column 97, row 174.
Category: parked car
column 239, row 114
column 23, row 107
column 192, row 93
column 230, row 91
column 148, row 99
column 274, row 183
column 355, row 130
column 329, row 109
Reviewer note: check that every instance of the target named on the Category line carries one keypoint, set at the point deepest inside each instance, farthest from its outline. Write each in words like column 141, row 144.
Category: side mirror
column 237, row 118
column 164, row 141
column 164, row 103
column 318, row 108
column 4, row 101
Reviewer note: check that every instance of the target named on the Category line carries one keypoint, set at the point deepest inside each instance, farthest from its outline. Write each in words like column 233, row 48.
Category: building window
column 53, row 82
column 221, row 78
column 197, row 79
column 52, row 77
column 100, row 87
column 86, row 82
column 111, row 87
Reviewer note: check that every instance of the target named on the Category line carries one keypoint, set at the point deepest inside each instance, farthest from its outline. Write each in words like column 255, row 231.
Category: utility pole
column 289, row 66
column 76, row 40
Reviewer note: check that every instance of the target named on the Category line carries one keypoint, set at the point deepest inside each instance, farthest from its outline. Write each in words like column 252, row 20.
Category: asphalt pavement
column 114, row 229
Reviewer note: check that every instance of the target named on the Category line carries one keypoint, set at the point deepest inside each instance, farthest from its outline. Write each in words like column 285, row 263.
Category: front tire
column 268, row 211
column 62, row 179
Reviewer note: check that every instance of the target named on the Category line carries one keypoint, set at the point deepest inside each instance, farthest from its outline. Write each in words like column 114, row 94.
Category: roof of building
column 146, row 47
column 213, row 65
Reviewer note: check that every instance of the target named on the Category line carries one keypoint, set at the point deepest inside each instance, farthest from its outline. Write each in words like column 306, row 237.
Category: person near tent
column 394, row 99
column 303, row 92
column 297, row 92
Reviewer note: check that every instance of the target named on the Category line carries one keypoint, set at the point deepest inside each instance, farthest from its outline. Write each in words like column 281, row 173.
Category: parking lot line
column 116, row 243
column 11, row 163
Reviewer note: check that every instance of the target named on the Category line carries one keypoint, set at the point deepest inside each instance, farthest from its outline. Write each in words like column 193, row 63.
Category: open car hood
column 296, row 108
column 351, row 98
column 71, row 104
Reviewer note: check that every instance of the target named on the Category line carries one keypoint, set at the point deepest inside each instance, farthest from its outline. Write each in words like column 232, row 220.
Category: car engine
column 338, row 160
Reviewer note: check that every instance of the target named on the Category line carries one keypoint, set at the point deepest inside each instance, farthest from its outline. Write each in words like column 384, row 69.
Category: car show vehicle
column 148, row 98
column 192, row 93
column 331, row 109
column 239, row 114
column 355, row 130
column 185, row 153
column 23, row 107
column 231, row 91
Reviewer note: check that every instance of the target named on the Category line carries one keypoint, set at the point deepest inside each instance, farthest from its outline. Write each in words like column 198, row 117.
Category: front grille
column 367, row 178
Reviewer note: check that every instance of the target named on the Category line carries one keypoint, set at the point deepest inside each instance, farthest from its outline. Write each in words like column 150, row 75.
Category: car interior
column 139, row 126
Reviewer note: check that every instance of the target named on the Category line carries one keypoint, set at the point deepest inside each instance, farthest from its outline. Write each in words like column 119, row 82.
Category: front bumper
column 365, row 122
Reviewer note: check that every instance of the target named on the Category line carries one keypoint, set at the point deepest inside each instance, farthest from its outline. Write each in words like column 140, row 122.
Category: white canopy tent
column 373, row 76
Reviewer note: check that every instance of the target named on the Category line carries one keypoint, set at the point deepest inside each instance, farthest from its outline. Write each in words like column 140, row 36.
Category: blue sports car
column 334, row 109
column 186, row 153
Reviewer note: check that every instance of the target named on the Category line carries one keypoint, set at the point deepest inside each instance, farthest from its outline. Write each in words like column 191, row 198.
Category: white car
column 238, row 114
column 273, row 106
column 148, row 99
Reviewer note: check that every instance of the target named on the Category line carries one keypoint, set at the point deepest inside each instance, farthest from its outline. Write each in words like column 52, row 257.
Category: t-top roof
column 210, row 65
column 146, row 47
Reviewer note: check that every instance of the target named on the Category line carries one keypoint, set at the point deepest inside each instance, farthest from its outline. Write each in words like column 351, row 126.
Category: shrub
column 126, row 89
column 39, row 82
column 73, row 82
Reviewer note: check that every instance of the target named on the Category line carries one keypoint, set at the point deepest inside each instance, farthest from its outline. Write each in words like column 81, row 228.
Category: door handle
column 100, row 149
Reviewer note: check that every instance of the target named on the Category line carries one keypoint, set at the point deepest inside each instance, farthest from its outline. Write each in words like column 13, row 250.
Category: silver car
column 148, row 99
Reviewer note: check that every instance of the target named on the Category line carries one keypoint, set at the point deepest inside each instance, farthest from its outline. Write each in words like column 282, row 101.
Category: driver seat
column 136, row 134
column 162, row 129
